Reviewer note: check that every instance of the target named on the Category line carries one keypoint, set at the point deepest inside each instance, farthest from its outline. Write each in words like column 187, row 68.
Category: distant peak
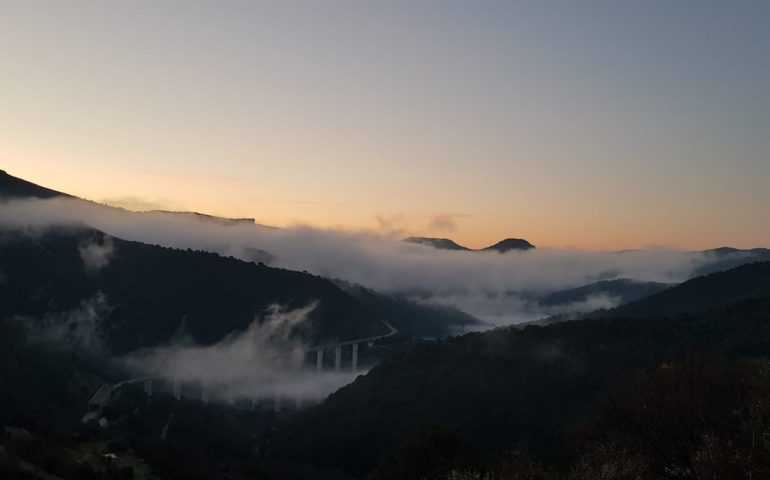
column 723, row 250
column 510, row 244
column 206, row 217
column 15, row 188
column 439, row 243
column 447, row 244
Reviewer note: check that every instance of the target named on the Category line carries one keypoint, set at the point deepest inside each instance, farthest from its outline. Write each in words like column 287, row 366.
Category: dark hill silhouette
column 509, row 387
column 412, row 318
column 153, row 291
column 726, row 258
column 16, row 188
column 207, row 218
column 648, row 299
column 13, row 187
column 509, row 244
column 280, row 285
column 446, row 244
column 624, row 289
column 702, row 293
column 438, row 243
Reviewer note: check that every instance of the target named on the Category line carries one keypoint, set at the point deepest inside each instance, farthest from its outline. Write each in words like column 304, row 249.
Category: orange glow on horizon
column 159, row 190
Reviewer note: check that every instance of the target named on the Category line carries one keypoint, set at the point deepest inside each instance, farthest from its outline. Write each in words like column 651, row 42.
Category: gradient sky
column 598, row 125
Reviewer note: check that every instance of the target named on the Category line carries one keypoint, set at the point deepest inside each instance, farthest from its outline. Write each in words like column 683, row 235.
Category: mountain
column 44, row 393
column 16, row 188
column 623, row 289
column 581, row 302
column 13, row 187
column 446, row 244
column 202, row 217
column 61, row 248
column 415, row 319
column 510, row 388
column 146, row 294
column 509, row 244
column 726, row 258
column 43, row 384
column 438, row 243
column 650, row 299
column 702, row 293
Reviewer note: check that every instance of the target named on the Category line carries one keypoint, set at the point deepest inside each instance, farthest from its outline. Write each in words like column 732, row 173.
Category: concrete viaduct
column 105, row 392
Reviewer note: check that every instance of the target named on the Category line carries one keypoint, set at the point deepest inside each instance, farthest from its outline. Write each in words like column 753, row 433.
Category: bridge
column 337, row 349
column 152, row 384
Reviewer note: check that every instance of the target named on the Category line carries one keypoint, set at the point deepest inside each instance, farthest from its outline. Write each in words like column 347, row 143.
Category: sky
column 576, row 124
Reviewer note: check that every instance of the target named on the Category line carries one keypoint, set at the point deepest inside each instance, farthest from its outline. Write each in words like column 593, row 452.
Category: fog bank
column 264, row 361
column 489, row 285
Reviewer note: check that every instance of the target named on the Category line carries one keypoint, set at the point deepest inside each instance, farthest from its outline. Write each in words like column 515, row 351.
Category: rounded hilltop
column 510, row 244
column 446, row 244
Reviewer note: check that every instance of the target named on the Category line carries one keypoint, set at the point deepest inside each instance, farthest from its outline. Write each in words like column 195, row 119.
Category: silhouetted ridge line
column 446, row 244
column 510, row 244
column 15, row 188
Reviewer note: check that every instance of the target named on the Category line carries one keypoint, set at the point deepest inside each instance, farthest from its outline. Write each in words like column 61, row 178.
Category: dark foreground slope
column 44, row 390
column 43, row 386
column 509, row 388
column 146, row 294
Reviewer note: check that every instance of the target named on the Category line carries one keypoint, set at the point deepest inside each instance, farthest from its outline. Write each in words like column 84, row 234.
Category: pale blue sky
column 593, row 124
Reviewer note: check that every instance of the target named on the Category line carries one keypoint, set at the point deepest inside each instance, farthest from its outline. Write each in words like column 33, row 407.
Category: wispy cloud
column 80, row 328
column 447, row 222
column 96, row 253
column 139, row 204
column 264, row 361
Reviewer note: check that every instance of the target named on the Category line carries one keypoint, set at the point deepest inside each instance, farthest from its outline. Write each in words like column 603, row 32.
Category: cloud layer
column 77, row 329
column 489, row 285
column 263, row 362
column 96, row 254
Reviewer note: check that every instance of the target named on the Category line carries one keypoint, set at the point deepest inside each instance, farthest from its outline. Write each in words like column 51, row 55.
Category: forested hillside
column 147, row 294
column 703, row 293
column 510, row 388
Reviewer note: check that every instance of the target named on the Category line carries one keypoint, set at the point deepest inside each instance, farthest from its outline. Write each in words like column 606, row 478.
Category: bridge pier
column 148, row 387
column 299, row 360
column 177, row 389
column 204, row 395
column 226, row 395
column 319, row 360
column 337, row 358
column 354, row 364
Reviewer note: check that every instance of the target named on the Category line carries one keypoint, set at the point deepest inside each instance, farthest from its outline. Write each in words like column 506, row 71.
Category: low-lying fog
column 494, row 287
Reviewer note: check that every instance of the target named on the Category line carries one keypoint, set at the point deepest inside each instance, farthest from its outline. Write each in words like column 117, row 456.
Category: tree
column 432, row 453
column 688, row 420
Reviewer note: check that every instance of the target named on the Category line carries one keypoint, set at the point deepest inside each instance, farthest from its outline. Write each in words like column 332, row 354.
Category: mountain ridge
column 525, row 387
column 502, row 246
column 14, row 187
